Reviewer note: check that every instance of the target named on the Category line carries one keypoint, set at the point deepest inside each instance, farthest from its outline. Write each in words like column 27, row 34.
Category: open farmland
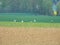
column 29, row 36
column 27, row 33
column 45, row 30
column 29, row 22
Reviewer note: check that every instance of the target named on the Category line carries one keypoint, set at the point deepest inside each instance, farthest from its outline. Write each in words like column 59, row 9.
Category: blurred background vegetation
column 42, row 7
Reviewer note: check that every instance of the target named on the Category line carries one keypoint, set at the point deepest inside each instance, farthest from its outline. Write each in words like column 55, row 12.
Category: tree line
column 43, row 7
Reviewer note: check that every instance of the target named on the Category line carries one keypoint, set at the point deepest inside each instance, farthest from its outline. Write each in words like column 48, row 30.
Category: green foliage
column 27, row 4
column 28, row 17
column 43, row 7
column 58, row 6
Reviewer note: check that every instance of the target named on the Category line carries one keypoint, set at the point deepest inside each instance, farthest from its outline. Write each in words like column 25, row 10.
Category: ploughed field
column 29, row 36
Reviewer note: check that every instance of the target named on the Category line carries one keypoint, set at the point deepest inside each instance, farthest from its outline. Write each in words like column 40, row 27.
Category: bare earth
column 29, row 36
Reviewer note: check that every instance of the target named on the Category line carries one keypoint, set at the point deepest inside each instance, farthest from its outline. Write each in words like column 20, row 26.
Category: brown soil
column 29, row 36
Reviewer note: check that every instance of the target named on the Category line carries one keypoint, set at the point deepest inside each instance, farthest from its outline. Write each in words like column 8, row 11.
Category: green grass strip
column 29, row 24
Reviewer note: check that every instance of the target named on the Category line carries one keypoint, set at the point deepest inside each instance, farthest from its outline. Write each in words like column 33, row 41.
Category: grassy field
column 29, row 24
